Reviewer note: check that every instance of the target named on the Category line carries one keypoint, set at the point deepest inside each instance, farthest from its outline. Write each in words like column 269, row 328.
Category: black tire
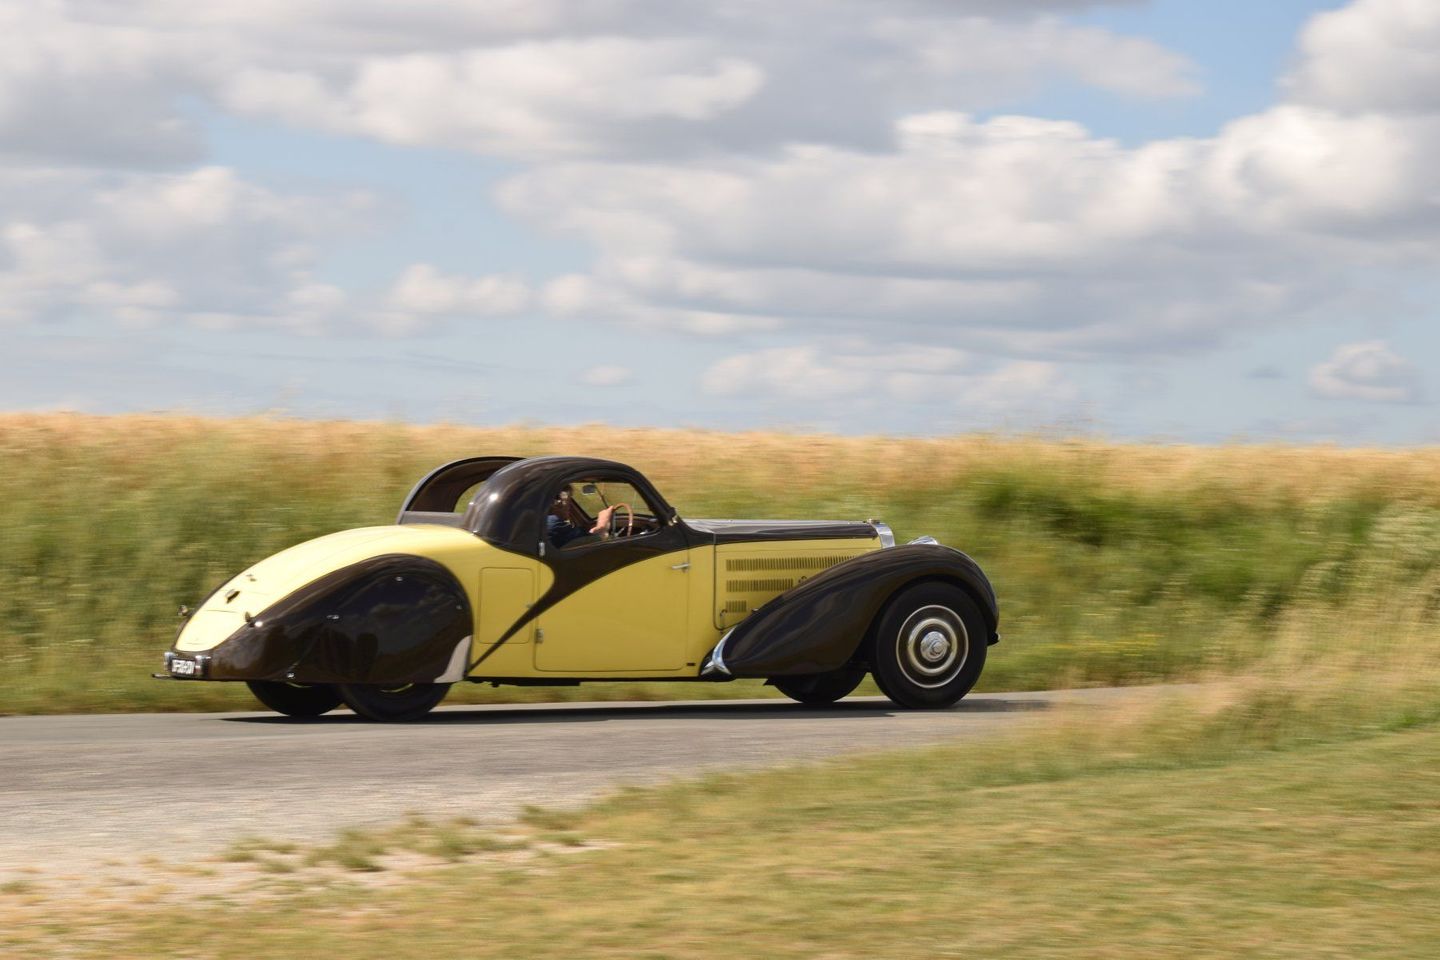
column 296, row 699
column 818, row 689
column 930, row 646
column 396, row 704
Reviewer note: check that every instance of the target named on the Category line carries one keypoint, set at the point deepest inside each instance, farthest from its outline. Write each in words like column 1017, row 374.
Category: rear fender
column 389, row 619
column 821, row 624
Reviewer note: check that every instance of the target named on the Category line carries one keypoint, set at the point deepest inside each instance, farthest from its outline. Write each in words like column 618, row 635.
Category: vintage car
column 497, row 571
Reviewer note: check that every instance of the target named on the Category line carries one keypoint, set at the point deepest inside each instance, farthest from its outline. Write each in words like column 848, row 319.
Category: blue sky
column 1159, row 220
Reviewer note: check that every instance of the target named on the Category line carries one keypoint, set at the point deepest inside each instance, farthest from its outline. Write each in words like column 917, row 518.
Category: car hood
column 724, row 531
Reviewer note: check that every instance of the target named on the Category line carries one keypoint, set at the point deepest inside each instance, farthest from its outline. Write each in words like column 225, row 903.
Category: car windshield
column 594, row 496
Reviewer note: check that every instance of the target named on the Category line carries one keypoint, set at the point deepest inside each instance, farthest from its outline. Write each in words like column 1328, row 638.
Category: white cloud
column 97, row 86
column 89, row 92
column 1371, row 55
column 90, row 81
column 595, row 297
column 1311, row 169
column 558, row 97
column 422, row 289
column 154, row 247
column 731, row 88
column 208, row 249
column 1368, row 371
column 88, row 87
column 1002, row 57
column 812, row 379
column 797, row 373
column 1013, row 235
column 606, row 375
column 1022, row 236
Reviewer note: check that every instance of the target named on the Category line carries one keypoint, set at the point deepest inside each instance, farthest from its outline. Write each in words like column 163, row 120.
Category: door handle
column 680, row 566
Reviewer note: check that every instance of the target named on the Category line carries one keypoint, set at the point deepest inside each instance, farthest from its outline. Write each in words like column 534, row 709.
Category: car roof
column 509, row 510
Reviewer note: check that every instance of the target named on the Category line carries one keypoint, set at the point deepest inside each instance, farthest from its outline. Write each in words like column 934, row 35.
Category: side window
column 593, row 509
column 463, row 504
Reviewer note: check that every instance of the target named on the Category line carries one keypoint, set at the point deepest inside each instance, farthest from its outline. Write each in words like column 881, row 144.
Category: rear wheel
column 393, row 704
column 930, row 646
column 296, row 699
column 818, row 689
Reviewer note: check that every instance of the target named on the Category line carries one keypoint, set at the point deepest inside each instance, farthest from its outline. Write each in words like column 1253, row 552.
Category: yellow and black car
column 559, row 570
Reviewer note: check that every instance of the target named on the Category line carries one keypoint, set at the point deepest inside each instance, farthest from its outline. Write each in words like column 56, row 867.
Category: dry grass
column 131, row 448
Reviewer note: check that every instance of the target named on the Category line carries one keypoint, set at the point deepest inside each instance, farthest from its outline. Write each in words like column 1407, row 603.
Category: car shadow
column 776, row 710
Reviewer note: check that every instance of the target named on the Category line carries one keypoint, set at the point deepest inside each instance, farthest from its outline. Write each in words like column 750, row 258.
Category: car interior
column 580, row 502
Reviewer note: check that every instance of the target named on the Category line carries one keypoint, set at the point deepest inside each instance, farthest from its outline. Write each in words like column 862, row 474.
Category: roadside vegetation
column 1115, row 563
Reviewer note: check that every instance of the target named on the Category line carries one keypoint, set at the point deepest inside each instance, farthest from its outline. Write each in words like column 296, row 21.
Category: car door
column 619, row 606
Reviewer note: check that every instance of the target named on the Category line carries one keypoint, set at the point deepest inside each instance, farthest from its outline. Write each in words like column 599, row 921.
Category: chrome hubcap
column 933, row 646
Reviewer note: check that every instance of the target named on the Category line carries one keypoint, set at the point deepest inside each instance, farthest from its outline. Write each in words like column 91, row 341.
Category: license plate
column 185, row 668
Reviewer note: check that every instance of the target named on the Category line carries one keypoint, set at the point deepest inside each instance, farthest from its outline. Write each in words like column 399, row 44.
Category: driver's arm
column 602, row 520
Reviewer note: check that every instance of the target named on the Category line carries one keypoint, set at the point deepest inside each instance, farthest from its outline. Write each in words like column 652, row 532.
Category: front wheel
column 296, row 699
column 930, row 646
column 818, row 689
column 393, row 704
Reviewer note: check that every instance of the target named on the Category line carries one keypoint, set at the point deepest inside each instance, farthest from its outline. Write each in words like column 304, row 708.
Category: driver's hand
column 602, row 520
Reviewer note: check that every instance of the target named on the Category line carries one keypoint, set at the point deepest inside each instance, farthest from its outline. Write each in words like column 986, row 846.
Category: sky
column 1154, row 220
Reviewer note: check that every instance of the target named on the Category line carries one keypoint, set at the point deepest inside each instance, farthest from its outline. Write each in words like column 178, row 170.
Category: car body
column 492, row 574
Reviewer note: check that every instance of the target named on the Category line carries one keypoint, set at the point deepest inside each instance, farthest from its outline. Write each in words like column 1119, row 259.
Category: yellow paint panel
column 747, row 575
column 701, row 634
column 506, row 593
column 629, row 622
column 207, row 629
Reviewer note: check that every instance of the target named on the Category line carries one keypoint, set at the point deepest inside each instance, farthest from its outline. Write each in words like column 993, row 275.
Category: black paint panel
column 819, row 625
column 751, row 531
column 390, row 619
column 439, row 490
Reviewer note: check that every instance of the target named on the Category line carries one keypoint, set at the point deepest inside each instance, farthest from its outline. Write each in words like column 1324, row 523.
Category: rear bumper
column 185, row 666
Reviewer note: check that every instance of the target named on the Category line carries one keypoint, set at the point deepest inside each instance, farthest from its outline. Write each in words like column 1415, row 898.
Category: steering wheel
column 615, row 523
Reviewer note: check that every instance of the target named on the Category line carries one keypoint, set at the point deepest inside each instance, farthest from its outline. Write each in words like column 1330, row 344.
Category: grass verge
column 1326, row 851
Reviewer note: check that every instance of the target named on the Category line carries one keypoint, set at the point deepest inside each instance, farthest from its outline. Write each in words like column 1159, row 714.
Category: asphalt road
column 79, row 790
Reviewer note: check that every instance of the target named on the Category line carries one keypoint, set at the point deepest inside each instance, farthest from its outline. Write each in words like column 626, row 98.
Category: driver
column 561, row 529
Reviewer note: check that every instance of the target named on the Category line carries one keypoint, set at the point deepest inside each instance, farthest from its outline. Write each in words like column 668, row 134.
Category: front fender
column 820, row 624
column 389, row 619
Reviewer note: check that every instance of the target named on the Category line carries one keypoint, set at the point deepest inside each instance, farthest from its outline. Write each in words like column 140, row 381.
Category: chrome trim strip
column 716, row 662
column 459, row 660
column 925, row 539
